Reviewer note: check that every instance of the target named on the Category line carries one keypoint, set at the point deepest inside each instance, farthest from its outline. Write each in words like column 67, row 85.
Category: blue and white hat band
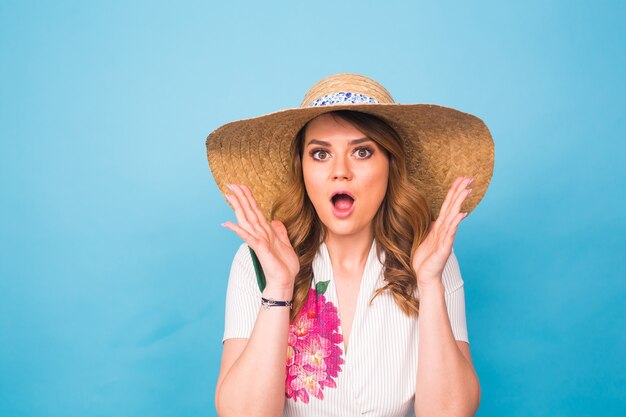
column 343, row 97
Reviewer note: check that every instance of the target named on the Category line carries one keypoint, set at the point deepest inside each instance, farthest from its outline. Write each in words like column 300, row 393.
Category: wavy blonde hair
column 400, row 224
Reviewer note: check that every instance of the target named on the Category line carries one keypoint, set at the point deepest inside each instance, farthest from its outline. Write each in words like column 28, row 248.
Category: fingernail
column 223, row 224
column 470, row 191
column 466, row 214
column 471, row 181
column 230, row 187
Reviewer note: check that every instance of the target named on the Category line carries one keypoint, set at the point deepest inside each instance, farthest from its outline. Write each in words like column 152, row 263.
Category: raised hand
column 431, row 255
column 270, row 242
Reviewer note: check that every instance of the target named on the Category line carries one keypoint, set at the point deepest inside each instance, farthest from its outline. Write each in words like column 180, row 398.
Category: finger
column 449, row 197
column 254, row 213
column 250, row 239
column 458, row 189
column 281, row 232
column 251, row 216
column 456, row 206
column 455, row 191
column 243, row 198
column 259, row 214
column 453, row 227
column 441, row 223
column 239, row 212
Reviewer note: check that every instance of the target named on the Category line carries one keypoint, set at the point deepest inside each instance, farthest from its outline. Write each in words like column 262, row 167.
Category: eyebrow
column 324, row 143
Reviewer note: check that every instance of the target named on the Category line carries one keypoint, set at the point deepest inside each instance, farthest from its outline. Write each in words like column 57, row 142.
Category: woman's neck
column 349, row 252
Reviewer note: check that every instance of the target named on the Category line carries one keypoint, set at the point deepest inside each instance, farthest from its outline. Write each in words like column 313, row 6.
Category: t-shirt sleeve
column 243, row 296
column 455, row 297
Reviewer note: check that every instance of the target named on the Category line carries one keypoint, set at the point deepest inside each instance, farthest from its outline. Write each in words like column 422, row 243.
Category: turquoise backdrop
column 113, row 264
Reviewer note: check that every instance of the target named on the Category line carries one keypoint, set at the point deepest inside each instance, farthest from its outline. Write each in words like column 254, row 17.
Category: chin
column 345, row 227
column 342, row 231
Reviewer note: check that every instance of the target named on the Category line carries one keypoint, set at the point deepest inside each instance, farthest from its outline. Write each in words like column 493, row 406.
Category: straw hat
column 441, row 143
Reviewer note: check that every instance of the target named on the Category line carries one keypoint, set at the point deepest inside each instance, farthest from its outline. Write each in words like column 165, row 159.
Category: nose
column 341, row 169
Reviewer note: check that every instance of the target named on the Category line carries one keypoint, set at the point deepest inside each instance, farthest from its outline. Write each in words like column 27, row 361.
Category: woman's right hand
column 270, row 242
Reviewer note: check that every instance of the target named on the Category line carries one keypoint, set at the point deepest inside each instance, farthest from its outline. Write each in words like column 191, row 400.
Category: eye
column 363, row 152
column 319, row 154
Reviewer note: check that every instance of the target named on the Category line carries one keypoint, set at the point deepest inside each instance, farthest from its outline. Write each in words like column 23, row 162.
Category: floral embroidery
column 313, row 352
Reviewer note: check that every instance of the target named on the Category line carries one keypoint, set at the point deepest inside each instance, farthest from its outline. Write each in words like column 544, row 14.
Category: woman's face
column 345, row 174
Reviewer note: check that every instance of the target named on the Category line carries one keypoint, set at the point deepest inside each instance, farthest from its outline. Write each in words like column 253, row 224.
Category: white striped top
column 377, row 376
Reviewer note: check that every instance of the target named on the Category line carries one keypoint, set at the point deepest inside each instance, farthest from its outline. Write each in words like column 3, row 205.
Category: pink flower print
column 291, row 355
column 308, row 382
column 301, row 326
column 314, row 355
column 315, row 352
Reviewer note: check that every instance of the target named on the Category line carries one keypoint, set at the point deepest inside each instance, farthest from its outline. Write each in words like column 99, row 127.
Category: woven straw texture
column 441, row 144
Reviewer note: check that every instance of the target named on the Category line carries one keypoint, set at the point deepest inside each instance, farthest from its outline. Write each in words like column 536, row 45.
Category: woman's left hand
column 431, row 255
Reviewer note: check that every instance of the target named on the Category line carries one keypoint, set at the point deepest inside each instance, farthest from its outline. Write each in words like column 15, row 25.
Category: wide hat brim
column 441, row 144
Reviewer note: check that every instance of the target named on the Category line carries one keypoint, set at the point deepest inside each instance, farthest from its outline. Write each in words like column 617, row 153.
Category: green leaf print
column 320, row 287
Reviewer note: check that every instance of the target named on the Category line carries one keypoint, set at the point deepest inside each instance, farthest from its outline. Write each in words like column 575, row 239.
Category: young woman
column 363, row 309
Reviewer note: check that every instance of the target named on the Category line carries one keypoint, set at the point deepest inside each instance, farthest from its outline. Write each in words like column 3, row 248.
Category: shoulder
column 242, row 256
column 451, row 275
column 242, row 273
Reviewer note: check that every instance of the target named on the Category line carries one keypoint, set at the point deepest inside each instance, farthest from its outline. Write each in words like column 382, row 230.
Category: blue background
column 114, row 266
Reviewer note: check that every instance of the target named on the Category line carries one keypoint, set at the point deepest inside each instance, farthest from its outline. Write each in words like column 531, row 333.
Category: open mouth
column 343, row 204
